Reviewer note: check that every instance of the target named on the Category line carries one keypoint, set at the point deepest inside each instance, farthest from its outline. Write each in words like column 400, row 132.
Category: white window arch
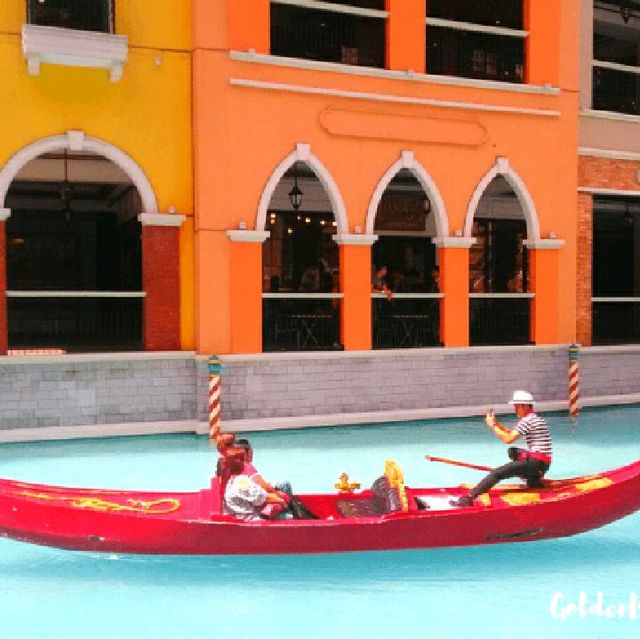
column 303, row 153
column 503, row 168
column 78, row 141
column 408, row 161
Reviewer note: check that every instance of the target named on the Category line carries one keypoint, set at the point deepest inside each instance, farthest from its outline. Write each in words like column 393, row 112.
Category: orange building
column 436, row 139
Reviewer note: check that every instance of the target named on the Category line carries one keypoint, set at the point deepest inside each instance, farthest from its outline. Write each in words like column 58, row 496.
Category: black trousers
column 532, row 470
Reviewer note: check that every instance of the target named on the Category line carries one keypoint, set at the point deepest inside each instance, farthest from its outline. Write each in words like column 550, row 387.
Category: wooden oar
column 454, row 462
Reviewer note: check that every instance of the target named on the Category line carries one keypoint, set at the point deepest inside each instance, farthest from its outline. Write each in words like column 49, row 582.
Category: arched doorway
column 73, row 252
column 500, row 300
column 405, row 272
column 300, row 265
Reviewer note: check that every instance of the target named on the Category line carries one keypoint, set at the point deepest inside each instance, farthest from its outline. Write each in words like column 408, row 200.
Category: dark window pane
column 494, row 13
column 323, row 35
column 474, row 55
column 615, row 251
column 616, row 91
column 85, row 15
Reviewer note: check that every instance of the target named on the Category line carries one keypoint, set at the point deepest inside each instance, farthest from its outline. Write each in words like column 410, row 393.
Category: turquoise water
column 513, row 590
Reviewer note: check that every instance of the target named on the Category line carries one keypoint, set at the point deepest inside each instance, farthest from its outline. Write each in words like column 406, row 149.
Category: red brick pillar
column 585, row 269
column 161, row 280
column 4, row 324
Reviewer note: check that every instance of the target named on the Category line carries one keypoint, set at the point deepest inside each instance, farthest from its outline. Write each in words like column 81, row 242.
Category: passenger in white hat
column 531, row 463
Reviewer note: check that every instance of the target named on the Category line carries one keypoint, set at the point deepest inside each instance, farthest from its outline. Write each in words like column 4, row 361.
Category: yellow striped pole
column 214, row 397
column 574, row 383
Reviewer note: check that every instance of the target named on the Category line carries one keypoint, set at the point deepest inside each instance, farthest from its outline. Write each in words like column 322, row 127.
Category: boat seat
column 384, row 499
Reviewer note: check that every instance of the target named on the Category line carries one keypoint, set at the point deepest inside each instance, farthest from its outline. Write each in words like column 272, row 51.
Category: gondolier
column 531, row 463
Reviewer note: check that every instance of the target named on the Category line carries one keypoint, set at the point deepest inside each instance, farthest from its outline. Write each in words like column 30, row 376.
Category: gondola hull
column 191, row 523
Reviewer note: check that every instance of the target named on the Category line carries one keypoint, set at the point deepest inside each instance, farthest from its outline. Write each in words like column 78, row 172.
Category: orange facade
column 256, row 114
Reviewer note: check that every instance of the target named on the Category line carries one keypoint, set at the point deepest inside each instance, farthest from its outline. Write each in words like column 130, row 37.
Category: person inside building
column 379, row 281
column 531, row 463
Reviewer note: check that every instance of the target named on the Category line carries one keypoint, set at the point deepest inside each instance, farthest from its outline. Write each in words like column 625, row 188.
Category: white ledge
column 161, row 219
column 454, row 242
column 73, row 47
column 543, row 244
column 253, row 237
column 357, row 239
column 5, row 214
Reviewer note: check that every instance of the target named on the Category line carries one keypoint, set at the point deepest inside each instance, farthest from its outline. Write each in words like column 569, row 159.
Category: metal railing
column 615, row 320
column 301, row 322
column 499, row 318
column 319, row 31
column 616, row 88
column 407, row 320
column 75, row 320
column 84, row 15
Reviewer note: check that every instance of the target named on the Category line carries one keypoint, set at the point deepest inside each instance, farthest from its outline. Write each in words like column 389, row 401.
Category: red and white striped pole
column 574, row 383
column 214, row 397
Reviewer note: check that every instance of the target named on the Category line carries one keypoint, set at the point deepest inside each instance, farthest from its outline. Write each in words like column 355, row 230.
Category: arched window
column 74, row 278
column 300, row 265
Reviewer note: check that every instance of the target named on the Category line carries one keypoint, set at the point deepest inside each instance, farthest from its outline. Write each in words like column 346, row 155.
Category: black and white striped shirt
column 536, row 433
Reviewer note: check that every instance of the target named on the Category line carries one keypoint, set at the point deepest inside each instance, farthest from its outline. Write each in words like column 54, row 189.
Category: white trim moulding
column 335, row 8
column 254, row 237
column 476, row 28
column 161, row 219
column 389, row 74
column 609, row 154
column 598, row 191
column 73, row 47
column 385, row 97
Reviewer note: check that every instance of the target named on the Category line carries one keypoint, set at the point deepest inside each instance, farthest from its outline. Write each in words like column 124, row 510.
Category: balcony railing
column 84, row 15
column 328, row 32
column 616, row 88
column 499, row 318
column 75, row 320
column 616, row 320
column 407, row 320
column 301, row 322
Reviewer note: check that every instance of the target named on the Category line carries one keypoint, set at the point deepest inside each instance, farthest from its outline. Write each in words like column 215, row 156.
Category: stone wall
column 80, row 392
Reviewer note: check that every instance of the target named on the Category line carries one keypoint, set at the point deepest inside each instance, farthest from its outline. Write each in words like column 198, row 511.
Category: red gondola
column 190, row 523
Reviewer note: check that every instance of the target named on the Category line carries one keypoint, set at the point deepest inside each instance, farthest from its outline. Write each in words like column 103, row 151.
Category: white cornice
column 454, row 242
column 594, row 190
column 253, row 237
column 161, row 219
column 543, row 244
column 73, row 47
column 283, row 87
column 609, row 154
column 357, row 239
column 389, row 74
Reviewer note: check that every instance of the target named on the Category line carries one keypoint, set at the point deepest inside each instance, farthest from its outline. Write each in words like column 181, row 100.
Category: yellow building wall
column 147, row 114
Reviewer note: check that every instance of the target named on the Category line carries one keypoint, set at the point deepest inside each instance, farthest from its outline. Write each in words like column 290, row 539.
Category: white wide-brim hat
column 521, row 397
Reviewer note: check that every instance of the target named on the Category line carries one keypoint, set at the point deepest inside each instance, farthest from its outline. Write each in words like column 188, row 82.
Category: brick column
column 4, row 323
column 406, row 35
column 544, row 277
column 355, row 284
column 161, row 280
column 584, row 270
column 454, row 284
column 246, row 290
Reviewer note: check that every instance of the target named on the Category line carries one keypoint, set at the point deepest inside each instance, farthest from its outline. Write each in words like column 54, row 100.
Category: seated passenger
column 243, row 497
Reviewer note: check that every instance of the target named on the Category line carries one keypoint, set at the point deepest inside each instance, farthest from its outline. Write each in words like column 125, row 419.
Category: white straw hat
column 521, row 397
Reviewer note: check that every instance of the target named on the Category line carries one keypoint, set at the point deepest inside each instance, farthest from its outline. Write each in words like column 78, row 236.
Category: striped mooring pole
column 214, row 397
column 574, row 383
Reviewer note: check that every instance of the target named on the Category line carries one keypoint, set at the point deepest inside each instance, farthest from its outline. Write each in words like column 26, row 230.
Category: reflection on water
column 490, row 591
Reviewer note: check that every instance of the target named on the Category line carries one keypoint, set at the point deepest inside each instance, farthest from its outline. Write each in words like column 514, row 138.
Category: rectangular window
column 482, row 40
column 616, row 271
column 616, row 58
column 84, row 15
column 344, row 32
